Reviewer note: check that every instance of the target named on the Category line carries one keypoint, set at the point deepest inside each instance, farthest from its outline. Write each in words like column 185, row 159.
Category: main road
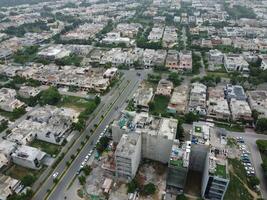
column 112, row 103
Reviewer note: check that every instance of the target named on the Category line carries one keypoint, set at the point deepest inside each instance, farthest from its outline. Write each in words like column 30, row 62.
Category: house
column 164, row 88
column 215, row 56
column 172, row 62
column 28, row 91
column 156, row 34
column 235, row 92
column 8, row 186
column 185, row 58
column 257, row 100
column 217, row 104
column 236, row 62
column 28, row 157
column 240, row 110
column 114, row 37
column 8, row 101
column 178, row 101
column 264, row 63
column 54, row 52
column 197, row 99
column 142, row 97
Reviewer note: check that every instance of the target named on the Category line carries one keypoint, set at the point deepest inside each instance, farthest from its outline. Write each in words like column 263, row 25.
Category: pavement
column 112, row 104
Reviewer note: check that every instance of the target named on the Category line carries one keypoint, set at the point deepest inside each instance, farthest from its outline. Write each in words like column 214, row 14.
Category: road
column 116, row 99
column 250, row 138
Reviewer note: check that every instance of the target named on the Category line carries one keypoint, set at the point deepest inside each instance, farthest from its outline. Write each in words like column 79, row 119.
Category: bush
column 253, row 181
column 82, row 180
column 149, row 189
column 87, row 170
column 261, row 125
column 132, row 186
column 28, row 180
column 191, row 117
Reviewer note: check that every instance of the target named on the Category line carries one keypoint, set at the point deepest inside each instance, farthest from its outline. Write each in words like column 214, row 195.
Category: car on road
column 55, row 175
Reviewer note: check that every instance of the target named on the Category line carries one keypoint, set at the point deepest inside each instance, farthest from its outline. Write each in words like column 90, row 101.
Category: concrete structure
column 172, row 61
column 128, row 155
column 54, row 52
column 185, row 58
column 257, row 100
column 235, row 92
column 240, row 110
column 164, row 88
column 217, row 105
column 155, row 34
column 178, row 101
column 157, row 133
column 8, row 186
column 215, row 56
column 6, row 149
column 114, row 37
column 177, row 168
column 28, row 91
column 8, row 101
column 236, row 62
column 197, row 99
column 142, row 97
column 28, row 157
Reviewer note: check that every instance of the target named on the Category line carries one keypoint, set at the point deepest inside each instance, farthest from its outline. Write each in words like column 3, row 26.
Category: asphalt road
column 114, row 100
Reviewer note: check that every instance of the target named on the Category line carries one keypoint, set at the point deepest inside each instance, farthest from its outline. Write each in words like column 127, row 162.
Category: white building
column 128, row 155
column 236, row 62
column 8, row 101
column 28, row 157
column 257, row 100
column 8, row 186
column 240, row 110
column 198, row 98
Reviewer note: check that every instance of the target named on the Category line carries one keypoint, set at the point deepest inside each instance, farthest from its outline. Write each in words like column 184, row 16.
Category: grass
column 18, row 172
column 48, row 148
column 231, row 142
column 236, row 190
column 238, row 169
column 77, row 103
column 130, row 105
column 220, row 171
column 12, row 116
column 159, row 105
column 220, row 74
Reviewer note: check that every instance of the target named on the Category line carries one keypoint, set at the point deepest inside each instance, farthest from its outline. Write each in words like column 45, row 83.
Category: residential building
column 264, row 63
column 54, row 52
column 169, row 37
column 236, row 62
column 29, row 157
column 235, row 92
column 164, row 88
column 217, row 105
column 8, row 186
column 6, row 149
column 114, row 37
column 240, row 110
column 157, row 133
column 156, row 34
column 128, row 155
column 142, row 97
column 197, row 99
column 28, row 91
column 215, row 56
column 179, row 99
column 8, row 101
column 185, row 58
column 177, row 168
column 257, row 100
column 172, row 61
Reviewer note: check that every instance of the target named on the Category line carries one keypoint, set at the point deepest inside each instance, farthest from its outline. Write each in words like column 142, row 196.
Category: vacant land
column 46, row 147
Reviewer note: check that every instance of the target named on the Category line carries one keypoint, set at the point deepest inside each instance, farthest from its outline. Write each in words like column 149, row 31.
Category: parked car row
column 245, row 157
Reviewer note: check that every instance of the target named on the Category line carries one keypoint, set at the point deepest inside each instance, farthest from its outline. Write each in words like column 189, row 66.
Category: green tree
column 181, row 197
column 82, row 179
column 132, row 186
column 50, row 96
column 253, row 181
column 149, row 189
column 179, row 131
column 174, row 77
column 87, row 170
column 262, row 145
column 261, row 125
column 191, row 117
column 28, row 180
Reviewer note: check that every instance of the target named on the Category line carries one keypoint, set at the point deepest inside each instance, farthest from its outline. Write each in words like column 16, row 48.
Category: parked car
column 55, row 175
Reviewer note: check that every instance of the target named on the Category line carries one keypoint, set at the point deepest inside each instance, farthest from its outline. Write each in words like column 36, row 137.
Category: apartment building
column 128, row 155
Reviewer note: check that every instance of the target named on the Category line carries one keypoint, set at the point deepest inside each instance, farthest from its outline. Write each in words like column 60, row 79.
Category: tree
column 97, row 100
column 149, row 189
column 253, row 181
column 50, row 96
column 181, row 197
column 179, row 131
column 28, row 180
column 261, row 125
column 132, row 186
column 174, row 77
column 262, row 145
column 87, row 170
column 82, row 179
column 191, row 117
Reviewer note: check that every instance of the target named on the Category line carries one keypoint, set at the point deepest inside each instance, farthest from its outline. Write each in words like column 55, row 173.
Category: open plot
column 46, row 147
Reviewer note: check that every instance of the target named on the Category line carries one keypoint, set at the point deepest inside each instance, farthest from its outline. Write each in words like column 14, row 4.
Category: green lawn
column 77, row 103
column 18, row 172
column 220, row 171
column 239, row 169
column 12, row 116
column 159, row 105
column 236, row 190
column 49, row 148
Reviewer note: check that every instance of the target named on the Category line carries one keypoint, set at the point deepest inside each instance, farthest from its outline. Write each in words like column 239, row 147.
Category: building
column 198, row 98
column 128, row 155
column 236, row 62
column 185, row 58
column 157, row 133
column 156, row 34
column 54, row 52
column 164, row 88
column 235, row 92
column 217, row 105
column 178, row 101
column 8, row 186
column 257, row 100
column 264, row 63
column 142, row 97
column 6, row 149
column 28, row 91
column 114, row 37
column 172, row 61
column 169, row 37
column 215, row 56
column 28, row 157
column 177, row 168
column 8, row 101
column 240, row 110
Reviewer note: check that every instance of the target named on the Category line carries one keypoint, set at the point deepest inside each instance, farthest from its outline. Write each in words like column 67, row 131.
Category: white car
column 55, row 175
